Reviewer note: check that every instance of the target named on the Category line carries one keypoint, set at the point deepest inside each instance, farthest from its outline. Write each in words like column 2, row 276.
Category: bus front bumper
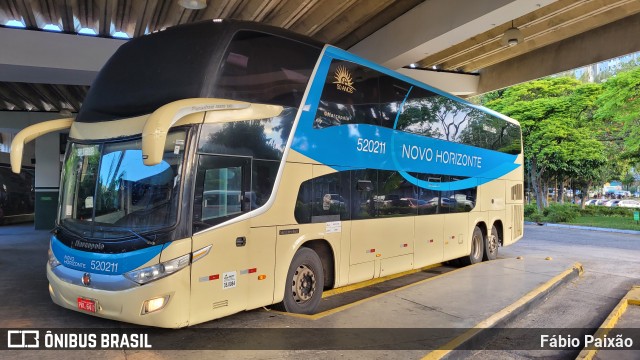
column 124, row 304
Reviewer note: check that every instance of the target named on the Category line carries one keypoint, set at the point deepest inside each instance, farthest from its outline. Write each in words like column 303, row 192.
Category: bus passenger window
column 303, row 205
column 435, row 202
column 329, row 204
column 324, row 199
column 263, row 179
column 350, row 96
column 395, row 196
column 222, row 190
column 280, row 78
column 365, row 184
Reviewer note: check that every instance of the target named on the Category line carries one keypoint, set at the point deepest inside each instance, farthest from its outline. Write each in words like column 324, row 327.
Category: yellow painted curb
column 495, row 318
column 631, row 298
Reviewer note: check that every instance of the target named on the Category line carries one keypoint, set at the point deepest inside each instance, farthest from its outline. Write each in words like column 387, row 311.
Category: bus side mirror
column 364, row 185
column 31, row 132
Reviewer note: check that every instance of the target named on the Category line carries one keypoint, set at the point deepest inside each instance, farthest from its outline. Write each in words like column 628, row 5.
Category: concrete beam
column 14, row 121
column 457, row 84
column 52, row 58
column 603, row 43
column 438, row 24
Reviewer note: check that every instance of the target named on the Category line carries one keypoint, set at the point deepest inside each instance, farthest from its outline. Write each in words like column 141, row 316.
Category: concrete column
column 47, row 180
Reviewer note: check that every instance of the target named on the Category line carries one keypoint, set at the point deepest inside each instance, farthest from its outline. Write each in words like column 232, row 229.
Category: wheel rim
column 304, row 284
column 477, row 243
column 492, row 244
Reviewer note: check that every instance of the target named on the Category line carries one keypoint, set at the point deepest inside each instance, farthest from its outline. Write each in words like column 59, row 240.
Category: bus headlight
column 53, row 262
column 155, row 304
column 158, row 271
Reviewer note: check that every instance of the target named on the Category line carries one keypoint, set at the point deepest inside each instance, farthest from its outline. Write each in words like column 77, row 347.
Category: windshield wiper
column 56, row 229
column 60, row 230
column 144, row 238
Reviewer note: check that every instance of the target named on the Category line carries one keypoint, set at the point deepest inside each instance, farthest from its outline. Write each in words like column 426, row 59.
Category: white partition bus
column 223, row 166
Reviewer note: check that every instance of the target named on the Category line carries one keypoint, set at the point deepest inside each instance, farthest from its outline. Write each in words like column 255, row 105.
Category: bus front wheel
column 477, row 248
column 305, row 281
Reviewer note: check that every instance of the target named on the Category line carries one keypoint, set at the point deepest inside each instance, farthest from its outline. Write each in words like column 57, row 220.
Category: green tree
column 619, row 110
column 628, row 180
column 554, row 114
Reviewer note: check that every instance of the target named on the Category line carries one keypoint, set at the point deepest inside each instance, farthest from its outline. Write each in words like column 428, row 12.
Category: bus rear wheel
column 305, row 281
column 491, row 245
column 477, row 248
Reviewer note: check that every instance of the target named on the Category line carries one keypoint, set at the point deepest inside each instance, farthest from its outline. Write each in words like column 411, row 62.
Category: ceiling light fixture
column 15, row 24
column 52, row 27
column 120, row 35
column 513, row 36
column 193, row 4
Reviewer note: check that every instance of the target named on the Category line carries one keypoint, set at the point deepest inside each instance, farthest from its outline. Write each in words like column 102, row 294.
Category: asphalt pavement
column 611, row 266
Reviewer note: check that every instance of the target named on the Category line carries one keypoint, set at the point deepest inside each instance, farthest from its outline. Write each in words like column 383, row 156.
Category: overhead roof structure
column 52, row 49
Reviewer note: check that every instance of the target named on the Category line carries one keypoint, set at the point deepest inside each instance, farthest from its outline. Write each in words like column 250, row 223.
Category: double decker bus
column 223, row 166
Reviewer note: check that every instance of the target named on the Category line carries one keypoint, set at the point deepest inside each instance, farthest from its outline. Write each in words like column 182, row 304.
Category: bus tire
column 477, row 248
column 305, row 281
column 491, row 245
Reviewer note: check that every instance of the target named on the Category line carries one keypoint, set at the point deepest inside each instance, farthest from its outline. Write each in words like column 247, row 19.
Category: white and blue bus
column 222, row 166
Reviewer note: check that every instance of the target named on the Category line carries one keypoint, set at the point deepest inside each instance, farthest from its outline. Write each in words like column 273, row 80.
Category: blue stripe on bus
column 98, row 263
column 403, row 152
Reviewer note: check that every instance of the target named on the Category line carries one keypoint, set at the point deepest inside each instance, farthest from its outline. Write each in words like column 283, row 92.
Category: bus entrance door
column 220, row 281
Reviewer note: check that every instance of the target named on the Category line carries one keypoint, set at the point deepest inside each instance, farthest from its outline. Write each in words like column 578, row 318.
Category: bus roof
column 177, row 63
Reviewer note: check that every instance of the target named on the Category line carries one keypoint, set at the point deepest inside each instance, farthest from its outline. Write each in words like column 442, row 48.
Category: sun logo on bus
column 344, row 81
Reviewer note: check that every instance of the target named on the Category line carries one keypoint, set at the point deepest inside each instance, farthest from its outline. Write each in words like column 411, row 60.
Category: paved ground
column 611, row 261
column 612, row 265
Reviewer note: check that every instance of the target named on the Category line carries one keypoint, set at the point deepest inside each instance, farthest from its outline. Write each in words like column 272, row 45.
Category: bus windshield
column 107, row 192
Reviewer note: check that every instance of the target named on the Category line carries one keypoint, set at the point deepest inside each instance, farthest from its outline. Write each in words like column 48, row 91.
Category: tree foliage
column 556, row 117
column 583, row 133
column 618, row 108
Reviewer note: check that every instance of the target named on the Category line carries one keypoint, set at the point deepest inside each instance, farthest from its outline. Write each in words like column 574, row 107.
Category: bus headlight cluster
column 53, row 262
column 155, row 272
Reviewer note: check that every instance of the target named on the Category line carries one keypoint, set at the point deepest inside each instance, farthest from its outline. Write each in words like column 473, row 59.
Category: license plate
column 87, row 305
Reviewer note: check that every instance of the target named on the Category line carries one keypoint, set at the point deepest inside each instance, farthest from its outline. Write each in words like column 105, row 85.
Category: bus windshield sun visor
column 31, row 132
column 156, row 127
